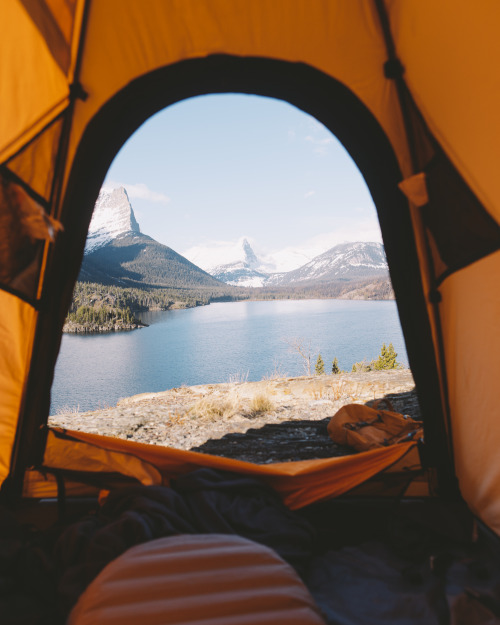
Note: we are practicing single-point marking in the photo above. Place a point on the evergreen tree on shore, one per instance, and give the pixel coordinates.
(320, 366)
(387, 358)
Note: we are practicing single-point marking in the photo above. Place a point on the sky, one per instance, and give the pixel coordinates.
(208, 171)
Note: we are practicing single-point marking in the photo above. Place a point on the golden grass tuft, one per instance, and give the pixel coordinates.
(261, 403)
(209, 408)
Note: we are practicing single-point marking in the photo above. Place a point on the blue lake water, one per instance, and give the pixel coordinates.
(218, 343)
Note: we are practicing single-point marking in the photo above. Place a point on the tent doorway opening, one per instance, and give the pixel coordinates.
(249, 205)
(310, 90)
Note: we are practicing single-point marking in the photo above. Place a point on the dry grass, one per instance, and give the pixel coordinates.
(238, 378)
(277, 373)
(261, 403)
(213, 409)
(68, 410)
(176, 417)
(338, 390)
(318, 391)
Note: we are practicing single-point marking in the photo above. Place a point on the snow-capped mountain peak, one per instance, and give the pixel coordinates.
(245, 268)
(346, 261)
(113, 216)
(250, 257)
(221, 253)
(237, 264)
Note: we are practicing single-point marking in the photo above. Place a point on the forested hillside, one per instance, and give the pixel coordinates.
(375, 289)
(99, 308)
(136, 260)
(143, 299)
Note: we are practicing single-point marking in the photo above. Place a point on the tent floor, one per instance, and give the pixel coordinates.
(371, 561)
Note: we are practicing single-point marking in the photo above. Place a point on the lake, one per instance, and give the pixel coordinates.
(219, 343)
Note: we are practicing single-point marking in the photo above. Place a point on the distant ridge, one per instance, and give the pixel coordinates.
(357, 261)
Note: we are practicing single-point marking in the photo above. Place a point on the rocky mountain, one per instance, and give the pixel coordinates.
(350, 262)
(117, 253)
(245, 270)
(346, 262)
(113, 216)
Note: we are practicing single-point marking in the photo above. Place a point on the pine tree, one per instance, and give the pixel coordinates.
(387, 358)
(335, 366)
(390, 358)
(320, 366)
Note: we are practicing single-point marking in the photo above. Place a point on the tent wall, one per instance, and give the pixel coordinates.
(342, 39)
(37, 88)
(471, 314)
(449, 51)
(17, 324)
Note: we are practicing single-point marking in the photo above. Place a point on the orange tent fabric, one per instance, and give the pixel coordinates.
(299, 483)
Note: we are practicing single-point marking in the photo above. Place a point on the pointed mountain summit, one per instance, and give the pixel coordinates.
(244, 270)
(250, 257)
(113, 216)
(117, 253)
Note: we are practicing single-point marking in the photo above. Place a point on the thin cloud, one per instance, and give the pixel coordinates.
(139, 191)
(367, 231)
(319, 144)
(210, 254)
(294, 256)
(309, 194)
(316, 141)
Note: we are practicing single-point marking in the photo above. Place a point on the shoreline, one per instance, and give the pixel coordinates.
(77, 328)
(243, 420)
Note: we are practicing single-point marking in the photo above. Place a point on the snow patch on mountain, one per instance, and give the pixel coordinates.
(220, 253)
(345, 261)
(245, 270)
(234, 263)
(113, 216)
(216, 254)
(241, 266)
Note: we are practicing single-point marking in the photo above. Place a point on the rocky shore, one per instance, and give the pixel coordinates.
(268, 421)
(71, 327)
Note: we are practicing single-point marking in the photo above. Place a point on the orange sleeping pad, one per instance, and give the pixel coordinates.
(197, 580)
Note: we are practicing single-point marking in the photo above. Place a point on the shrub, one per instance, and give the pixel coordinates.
(362, 367)
(261, 403)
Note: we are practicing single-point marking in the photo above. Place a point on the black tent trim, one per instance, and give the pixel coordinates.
(305, 87)
(8, 174)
